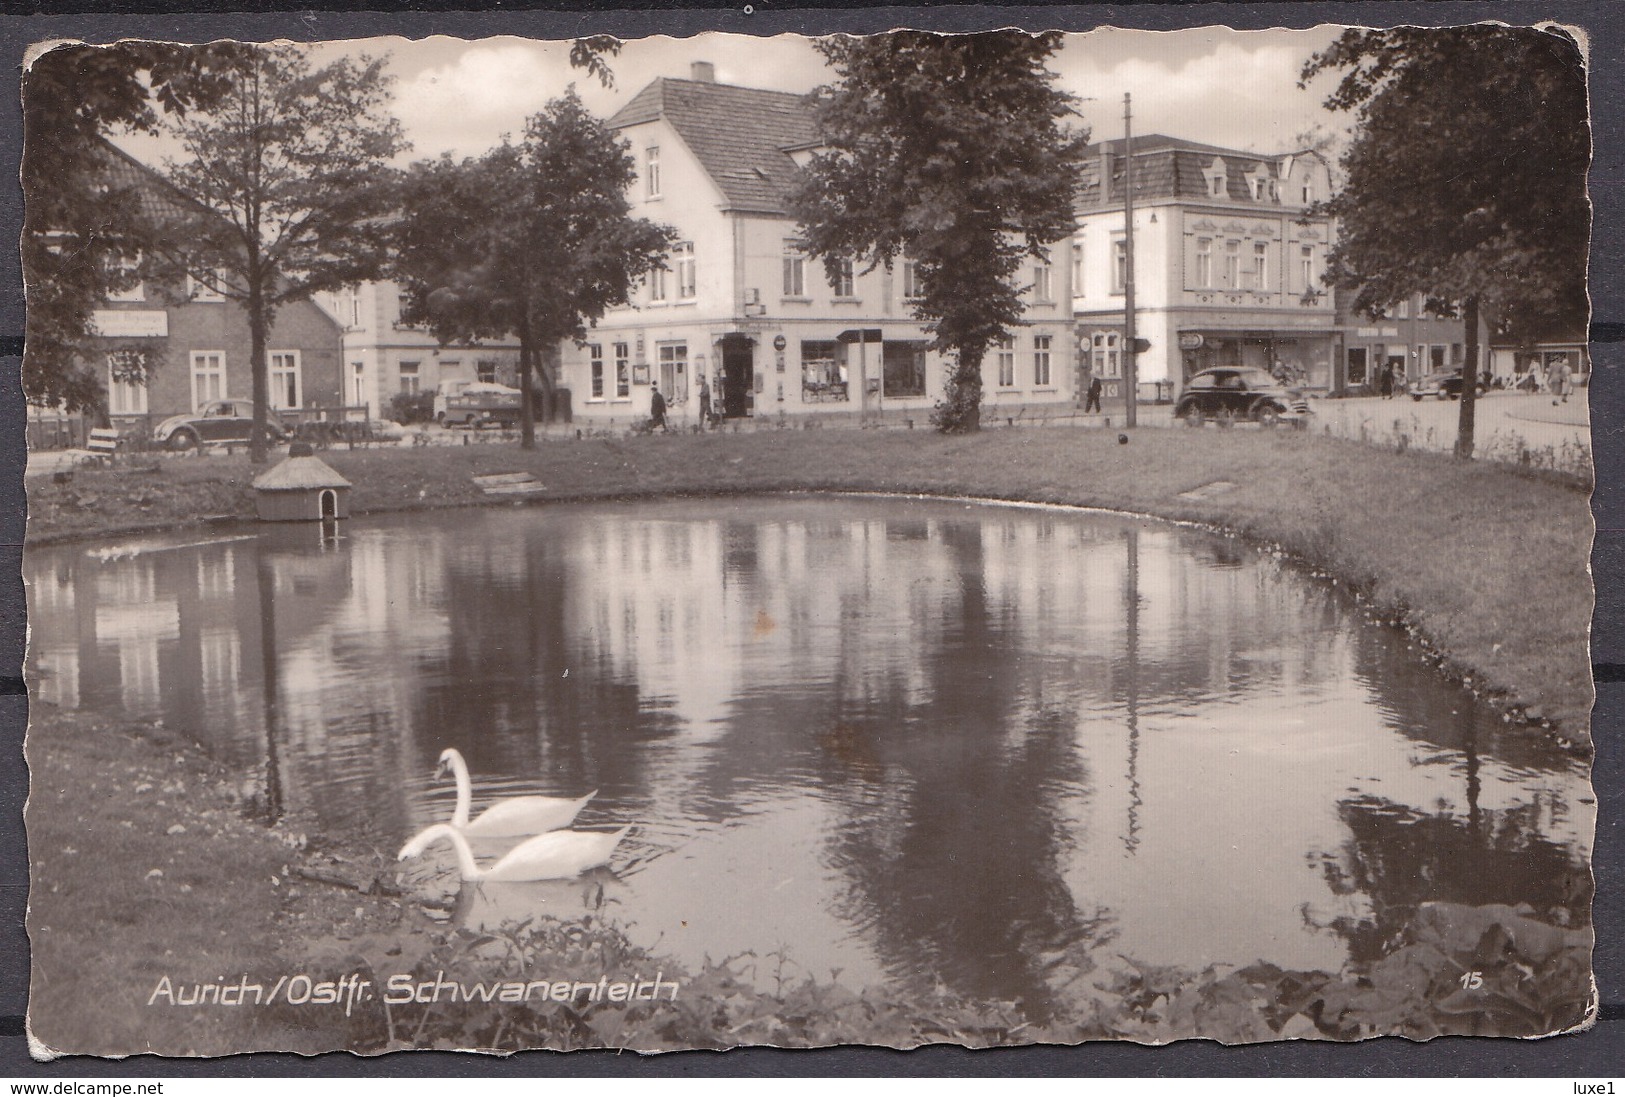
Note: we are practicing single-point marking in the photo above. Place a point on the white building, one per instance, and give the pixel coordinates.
(383, 356)
(1228, 268)
(744, 307)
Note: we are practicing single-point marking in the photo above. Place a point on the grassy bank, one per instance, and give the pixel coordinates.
(1486, 564)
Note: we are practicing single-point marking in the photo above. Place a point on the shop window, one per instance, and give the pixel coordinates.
(904, 366)
(673, 371)
(823, 373)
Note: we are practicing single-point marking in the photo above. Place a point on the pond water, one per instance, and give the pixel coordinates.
(898, 739)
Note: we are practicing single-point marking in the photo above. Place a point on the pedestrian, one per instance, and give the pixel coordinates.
(1092, 403)
(657, 410)
(1386, 381)
(1565, 380)
(705, 402)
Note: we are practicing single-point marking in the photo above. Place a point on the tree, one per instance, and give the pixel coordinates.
(288, 191)
(954, 151)
(1465, 178)
(533, 240)
(81, 236)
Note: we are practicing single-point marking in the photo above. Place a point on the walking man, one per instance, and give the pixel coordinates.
(657, 410)
(1092, 403)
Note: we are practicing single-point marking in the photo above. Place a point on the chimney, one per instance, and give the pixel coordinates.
(703, 71)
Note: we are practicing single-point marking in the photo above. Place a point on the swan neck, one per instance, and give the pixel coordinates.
(465, 856)
(465, 791)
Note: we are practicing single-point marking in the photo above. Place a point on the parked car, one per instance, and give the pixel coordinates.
(1443, 383)
(1236, 393)
(216, 421)
(478, 404)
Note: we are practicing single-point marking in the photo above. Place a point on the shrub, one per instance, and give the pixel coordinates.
(407, 408)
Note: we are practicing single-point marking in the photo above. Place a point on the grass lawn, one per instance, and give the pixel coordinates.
(1487, 564)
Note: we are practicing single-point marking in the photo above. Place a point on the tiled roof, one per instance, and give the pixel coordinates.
(738, 134)
(157, 197)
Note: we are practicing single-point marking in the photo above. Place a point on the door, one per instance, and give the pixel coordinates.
(738, 377)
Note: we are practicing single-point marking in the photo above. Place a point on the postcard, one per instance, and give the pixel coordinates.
(997, 539)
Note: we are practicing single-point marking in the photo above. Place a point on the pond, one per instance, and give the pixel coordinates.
(895, 739)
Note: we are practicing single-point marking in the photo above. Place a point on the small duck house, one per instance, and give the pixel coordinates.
(302, 488)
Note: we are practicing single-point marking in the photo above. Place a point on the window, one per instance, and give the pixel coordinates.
(823, 376)
(1436, 356)
(125, 395)
(623, 371)
(410, 377)
(651, 171)
(1043, 283)
(1455, 354)
(912, 289)
(1261, 264)
(657, 287)
(403, 308)
(673, 371)
(1119, 265)
(1006, 357)
(595, 359)
(206, 288)
(1308, 192)
(1216, 180)
(1232, 263)
(358, 384)
(485, 370)
(1105, 348)
(685, 271)
(208, 377)
(1041, 361)
(841, 278)
(1077, 270)
(904, 369)
(1306, 262)
(795, 270)
(283, 369)
(355, 307)
(122, 268)
(1204, 261)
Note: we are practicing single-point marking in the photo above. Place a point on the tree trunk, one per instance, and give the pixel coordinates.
(961, 409)
(1470, 373)
(547, 366)
(527, 413)
(257, 323)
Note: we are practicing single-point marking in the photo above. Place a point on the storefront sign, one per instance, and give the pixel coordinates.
(131, 323)
(779, 342)
(1190, 340)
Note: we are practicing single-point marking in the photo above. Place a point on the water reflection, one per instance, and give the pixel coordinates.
(904, 740)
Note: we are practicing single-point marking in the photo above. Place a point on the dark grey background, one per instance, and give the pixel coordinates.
(1591, 1054)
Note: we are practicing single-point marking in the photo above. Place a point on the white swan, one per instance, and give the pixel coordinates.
(554, 856)
(515, 817)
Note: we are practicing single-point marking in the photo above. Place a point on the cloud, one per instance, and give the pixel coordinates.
(464, 105)
(1214, 85)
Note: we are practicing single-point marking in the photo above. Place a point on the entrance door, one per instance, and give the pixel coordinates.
(738, 377)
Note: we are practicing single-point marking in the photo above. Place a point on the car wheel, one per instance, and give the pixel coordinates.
(1192, 415)
(1267, 415)
(183, 439)
(1417, 396)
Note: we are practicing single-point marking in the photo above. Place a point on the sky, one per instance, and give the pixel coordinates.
(1218, 86)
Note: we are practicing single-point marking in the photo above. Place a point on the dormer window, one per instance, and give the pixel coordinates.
(1308, 192)
(1216, 179)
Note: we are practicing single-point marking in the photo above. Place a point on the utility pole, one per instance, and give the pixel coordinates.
(1131, 362)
